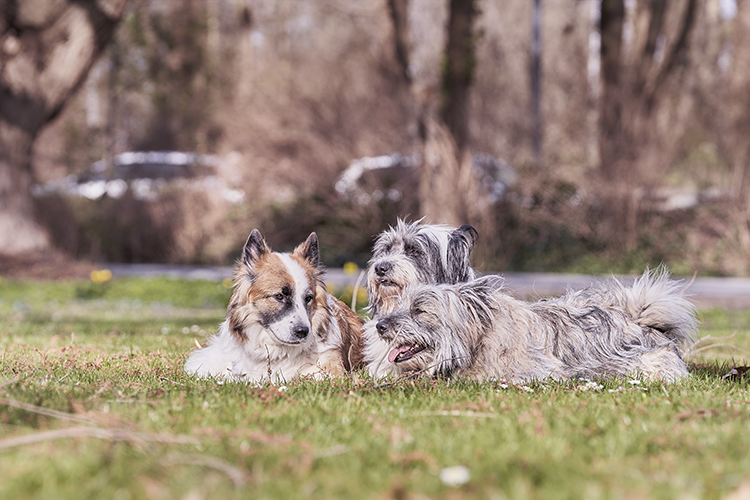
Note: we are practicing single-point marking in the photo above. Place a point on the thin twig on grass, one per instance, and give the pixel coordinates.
(721, 344)
(718, 344)
(98, 433)
(171, 381)
(416, 374)
(236, 475)
(709, 337)
(690, 283)
(356, 291)
(10, 382)
(47, 412)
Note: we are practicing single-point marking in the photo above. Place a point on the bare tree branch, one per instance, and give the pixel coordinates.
(398, 10)
(678, 49)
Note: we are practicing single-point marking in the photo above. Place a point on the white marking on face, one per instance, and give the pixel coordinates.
(302, 289)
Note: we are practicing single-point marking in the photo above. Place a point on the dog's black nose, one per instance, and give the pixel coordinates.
(382, 268)
(382, 328)
(300, 331)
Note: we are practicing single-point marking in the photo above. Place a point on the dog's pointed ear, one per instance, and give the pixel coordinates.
(460, 244)
(310, 250)
(255, 247)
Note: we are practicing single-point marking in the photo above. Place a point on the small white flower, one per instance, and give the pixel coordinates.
(590, 386)
(635, 382)
(527, 388)
(282, 388)
(455, 476)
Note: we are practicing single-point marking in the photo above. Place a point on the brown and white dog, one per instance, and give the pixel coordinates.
(281, 322)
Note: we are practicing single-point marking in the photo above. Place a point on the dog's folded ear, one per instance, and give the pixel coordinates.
(255, 246)
(484, 287)
(460, 244)
(479, 297)
(309, 250)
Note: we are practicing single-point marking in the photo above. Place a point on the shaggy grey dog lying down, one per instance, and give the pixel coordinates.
(478, 331)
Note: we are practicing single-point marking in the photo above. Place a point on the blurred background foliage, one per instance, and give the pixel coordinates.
(284, 95)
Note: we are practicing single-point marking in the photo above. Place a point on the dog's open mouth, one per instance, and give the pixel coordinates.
(388, 283)
(404, 352)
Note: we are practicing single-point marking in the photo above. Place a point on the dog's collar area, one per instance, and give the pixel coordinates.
(404, 352)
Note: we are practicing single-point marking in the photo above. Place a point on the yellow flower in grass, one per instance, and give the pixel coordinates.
(100, 276)
(350, 268)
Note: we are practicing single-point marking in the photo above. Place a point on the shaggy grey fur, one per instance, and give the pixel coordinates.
(403, 255)
(476, 330)
(417, 253)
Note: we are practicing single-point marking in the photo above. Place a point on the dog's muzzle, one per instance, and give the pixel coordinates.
(383, 327)
(382, 268)
(383, 272)
(300, 331)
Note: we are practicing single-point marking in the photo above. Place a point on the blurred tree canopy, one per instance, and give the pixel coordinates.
(643, 127)
(46, 50)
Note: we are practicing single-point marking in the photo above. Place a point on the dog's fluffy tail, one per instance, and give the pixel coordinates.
(658, 302)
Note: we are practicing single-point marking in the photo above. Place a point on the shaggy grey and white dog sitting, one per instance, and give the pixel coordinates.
(477, 331)
(407, 254)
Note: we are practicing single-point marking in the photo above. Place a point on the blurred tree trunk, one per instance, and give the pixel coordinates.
(458, 71)
(610, 117)
(447, 186)
(632, 89)
(398, 10)
(631, 93)
(46, 50)
(399, 14)
(651, 91)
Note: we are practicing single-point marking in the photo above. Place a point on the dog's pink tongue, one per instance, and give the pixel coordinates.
(395, 352)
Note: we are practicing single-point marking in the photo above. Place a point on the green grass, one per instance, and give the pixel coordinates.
(108, 358)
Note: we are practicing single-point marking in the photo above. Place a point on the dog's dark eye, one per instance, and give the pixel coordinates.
(308, 299)
(279, 297)
(411, 251)
(417, 311)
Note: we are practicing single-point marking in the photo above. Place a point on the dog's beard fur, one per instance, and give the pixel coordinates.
(281, 322)
(411, 253)
(476, 330)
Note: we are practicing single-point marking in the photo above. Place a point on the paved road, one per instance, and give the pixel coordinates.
(733, 293)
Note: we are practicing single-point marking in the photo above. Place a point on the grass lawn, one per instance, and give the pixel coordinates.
(94, 404)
